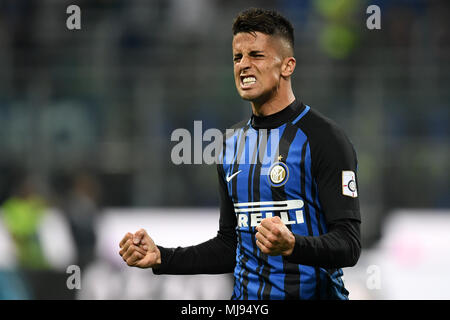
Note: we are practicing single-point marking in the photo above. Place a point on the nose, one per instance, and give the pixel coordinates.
(244, 64)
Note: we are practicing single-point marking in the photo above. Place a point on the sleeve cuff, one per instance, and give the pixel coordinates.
(165, 256)
(295, 256)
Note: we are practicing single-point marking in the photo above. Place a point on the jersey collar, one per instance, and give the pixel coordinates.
(275, 120)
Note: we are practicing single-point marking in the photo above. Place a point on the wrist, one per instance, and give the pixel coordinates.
(158, 257)
(291, 245)
(157, 263)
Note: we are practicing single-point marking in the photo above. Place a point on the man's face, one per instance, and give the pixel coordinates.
(257, 65)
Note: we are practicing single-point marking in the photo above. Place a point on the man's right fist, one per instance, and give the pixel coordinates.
(139, 250)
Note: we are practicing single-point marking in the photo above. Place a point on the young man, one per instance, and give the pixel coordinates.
(289, 220)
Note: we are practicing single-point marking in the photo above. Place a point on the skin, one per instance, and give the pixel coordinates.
(274, 238)
(139, 250)
(269, 59)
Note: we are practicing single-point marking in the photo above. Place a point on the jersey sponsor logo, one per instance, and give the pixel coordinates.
(228, 178)
(349, 184)
(250, 214)
(278, 174)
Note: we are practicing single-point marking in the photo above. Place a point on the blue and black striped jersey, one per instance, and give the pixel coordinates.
(295, 164)
(272, 168)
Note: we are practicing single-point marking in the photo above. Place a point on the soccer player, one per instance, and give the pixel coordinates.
(289, 220)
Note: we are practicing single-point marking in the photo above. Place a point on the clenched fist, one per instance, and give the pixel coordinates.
(274, 238)
(139, 250)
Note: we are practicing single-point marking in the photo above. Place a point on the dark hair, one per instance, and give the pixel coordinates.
(268, 22)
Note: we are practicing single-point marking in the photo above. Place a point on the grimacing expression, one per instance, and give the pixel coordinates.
(257, 65)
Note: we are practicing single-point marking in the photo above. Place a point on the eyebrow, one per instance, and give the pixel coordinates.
(253, 52)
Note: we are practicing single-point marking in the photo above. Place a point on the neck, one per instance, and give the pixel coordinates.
(272, 105)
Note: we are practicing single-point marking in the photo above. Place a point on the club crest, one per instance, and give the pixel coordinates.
(278, 174)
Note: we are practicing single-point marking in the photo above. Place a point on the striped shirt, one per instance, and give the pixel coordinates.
(300, 166)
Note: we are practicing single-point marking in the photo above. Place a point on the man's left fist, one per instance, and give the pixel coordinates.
(274, 238)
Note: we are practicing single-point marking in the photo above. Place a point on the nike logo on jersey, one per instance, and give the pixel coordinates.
(228, 178)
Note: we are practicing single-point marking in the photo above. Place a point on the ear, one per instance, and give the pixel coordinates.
(288, 66)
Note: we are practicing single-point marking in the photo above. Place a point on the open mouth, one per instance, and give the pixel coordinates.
(247, 81)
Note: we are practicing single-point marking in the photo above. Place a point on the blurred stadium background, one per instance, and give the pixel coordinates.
(86, 117)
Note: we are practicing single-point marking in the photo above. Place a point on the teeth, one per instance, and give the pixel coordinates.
(249, 80)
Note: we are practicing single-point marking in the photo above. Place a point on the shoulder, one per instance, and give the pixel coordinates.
(228, 141)
(229, 132)
(319, 127)
(240, 124)
(326, 138)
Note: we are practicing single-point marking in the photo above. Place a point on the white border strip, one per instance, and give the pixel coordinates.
(287, 205)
